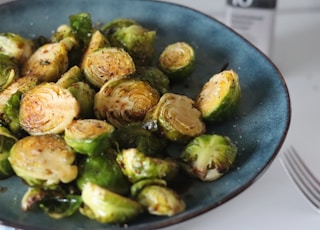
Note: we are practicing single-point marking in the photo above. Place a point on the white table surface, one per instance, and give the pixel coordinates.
(273, 202)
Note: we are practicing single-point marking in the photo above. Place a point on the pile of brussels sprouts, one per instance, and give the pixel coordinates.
(87, 116)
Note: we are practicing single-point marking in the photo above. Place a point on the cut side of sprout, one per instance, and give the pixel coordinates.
(47, 108)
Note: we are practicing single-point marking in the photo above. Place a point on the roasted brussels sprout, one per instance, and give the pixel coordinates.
(13, 45)
(176, 118)
(103, 170)
(177, 60)
(48, 62)
(62, 32)
(209, 156)
(81, 26)
(124, 101)
(85, 97)
(43, 161)
(11, 113)
(7, 140)
(105, 206)
(107, 63)
(161, 200)
(88, 136)
(9, 71)
(137, 41)
(219, 97)
(136, 166)
(55, 203)
(43, 109)
(112, 26)
(135, 136)
(141, 184)
(22, 84)
(154, 76)
(73, 75)
(97, 41)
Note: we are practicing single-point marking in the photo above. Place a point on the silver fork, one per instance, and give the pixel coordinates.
(302, 176)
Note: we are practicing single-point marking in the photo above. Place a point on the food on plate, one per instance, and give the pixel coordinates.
(220, 96)
(176, 118)
(177, 60)
(208, 156)
(90, 122)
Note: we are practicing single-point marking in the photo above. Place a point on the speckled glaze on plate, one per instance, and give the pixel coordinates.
(258, 128)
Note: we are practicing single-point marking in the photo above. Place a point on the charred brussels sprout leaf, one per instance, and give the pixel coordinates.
(88, 136)
(124, 101)
(9, 71)
(107, 63)
(85, 97)
(103, 170)
(176, 118)
(11, 113)
(135, 136)
(154, 76)
(7, 140)
(219, 97)
(43, 109)
(177, 60)
(55, 203)
(136, 166)
(160, 200)
(81, 26)
(110, 27)
(137, 41)
(15, 46)
(43, 161)
(105, 206)
(208, 157)
(73, 75)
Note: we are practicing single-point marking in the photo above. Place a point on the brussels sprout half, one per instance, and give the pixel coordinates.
(43, 161)
(88, 136)
(175, 117)
(136, 166)
(208, 156)
(105, 206)
(15, 46)
(177, 60)
(105, 64)
(219, 97)
(43, 109)
(161, 201)
(137, 41)
(124, 101)
(48, 62)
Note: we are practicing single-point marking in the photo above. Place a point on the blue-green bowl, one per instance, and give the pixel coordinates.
(258, 128)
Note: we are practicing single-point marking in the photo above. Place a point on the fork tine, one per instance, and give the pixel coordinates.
(302, 176)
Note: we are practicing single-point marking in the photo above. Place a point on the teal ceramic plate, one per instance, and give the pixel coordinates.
(258, 128)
